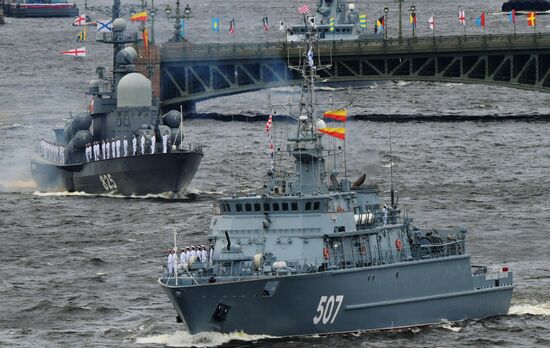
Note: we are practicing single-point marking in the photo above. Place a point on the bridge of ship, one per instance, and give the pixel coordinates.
(191, 73)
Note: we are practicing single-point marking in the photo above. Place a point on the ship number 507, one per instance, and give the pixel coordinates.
(328, 308)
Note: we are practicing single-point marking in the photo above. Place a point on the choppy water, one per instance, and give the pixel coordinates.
(80, 270)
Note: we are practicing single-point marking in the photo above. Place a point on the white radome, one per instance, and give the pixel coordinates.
(318, 125)
(134, 91)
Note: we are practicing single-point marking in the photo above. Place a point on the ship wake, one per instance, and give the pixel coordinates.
(204, 339)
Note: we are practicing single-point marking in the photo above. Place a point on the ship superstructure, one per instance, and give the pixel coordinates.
(315, 253)
(40, 8)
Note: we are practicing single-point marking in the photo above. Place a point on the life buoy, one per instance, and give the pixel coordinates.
(325, 253)
(398, 244)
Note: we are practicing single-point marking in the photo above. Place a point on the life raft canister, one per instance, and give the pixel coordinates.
(399, 244)
(325, 253)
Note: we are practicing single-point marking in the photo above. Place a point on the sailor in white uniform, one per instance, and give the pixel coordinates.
(204, 254)
(134, 145)
(142, 143)
(170, 263)
(113, 147)
(107, 149)
(103, 149)
(117, 143)
(153, 143)
(165, 143)
(125, 145)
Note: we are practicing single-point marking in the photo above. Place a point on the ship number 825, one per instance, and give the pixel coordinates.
(108, 182)
(328, 309)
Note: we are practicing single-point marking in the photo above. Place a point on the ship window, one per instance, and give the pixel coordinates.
(248, 207)
(275, 206)
(294, 205)
(266, 206)
(126, 120)
(285, 206)
(316, 205)
(118, 121)
(239, 207)
(308, 205)
(257, 207)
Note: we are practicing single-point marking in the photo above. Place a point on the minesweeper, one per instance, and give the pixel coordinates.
(123, 115)
(317, 254)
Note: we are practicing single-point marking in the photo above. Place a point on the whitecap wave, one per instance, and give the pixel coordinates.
(165, 195)
(447, 325)
(204, 339)
(533, 309)
(14, 126)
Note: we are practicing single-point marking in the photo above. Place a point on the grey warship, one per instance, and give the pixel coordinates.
(314, 253)
(123, 109)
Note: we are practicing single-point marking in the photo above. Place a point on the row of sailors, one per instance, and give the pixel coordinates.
(52, 152)
(106, 149)
(197, 253)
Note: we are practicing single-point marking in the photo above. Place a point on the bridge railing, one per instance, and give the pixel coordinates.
(177, 52)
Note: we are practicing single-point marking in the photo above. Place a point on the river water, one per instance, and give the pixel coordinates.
(80, 270)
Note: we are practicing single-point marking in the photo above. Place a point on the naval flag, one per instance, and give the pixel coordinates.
(77, 52)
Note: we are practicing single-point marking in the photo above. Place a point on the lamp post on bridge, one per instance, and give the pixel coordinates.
(386, 10)
(180, 20)
(400, 34)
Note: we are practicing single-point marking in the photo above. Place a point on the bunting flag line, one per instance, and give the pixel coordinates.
(363, 21)
(512, 16)
(216, 25)
(266, 24)
(337, 115)
(431, 23)
(77, 52)
(480, 21)
(461, 17)
(232, 26)
(304, 9)
(139, 17)
(146, 39)
(532, 19)
(81, 36)
(104, 27)
(331, 24)
(339, 133)
(80, 20)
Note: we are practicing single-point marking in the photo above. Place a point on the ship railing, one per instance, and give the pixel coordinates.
(238, 270)
(190, 146)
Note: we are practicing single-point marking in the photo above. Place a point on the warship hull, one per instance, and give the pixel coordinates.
(40, 10)
(369, 298)
(134, 175)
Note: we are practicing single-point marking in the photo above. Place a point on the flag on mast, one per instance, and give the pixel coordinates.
(146, 38)
(512, 16)
(77, 52)
(379, 25)
(81, 36)
(232, 26)
(337, 115)
(139, 17)
(266, 24)
(532, 19)
(412, 19)
(339, 133)
(431, 23)
(461, 17)
(480, 21)
(281, 26)
(80, 20)
(303, 9)
(216, 25)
